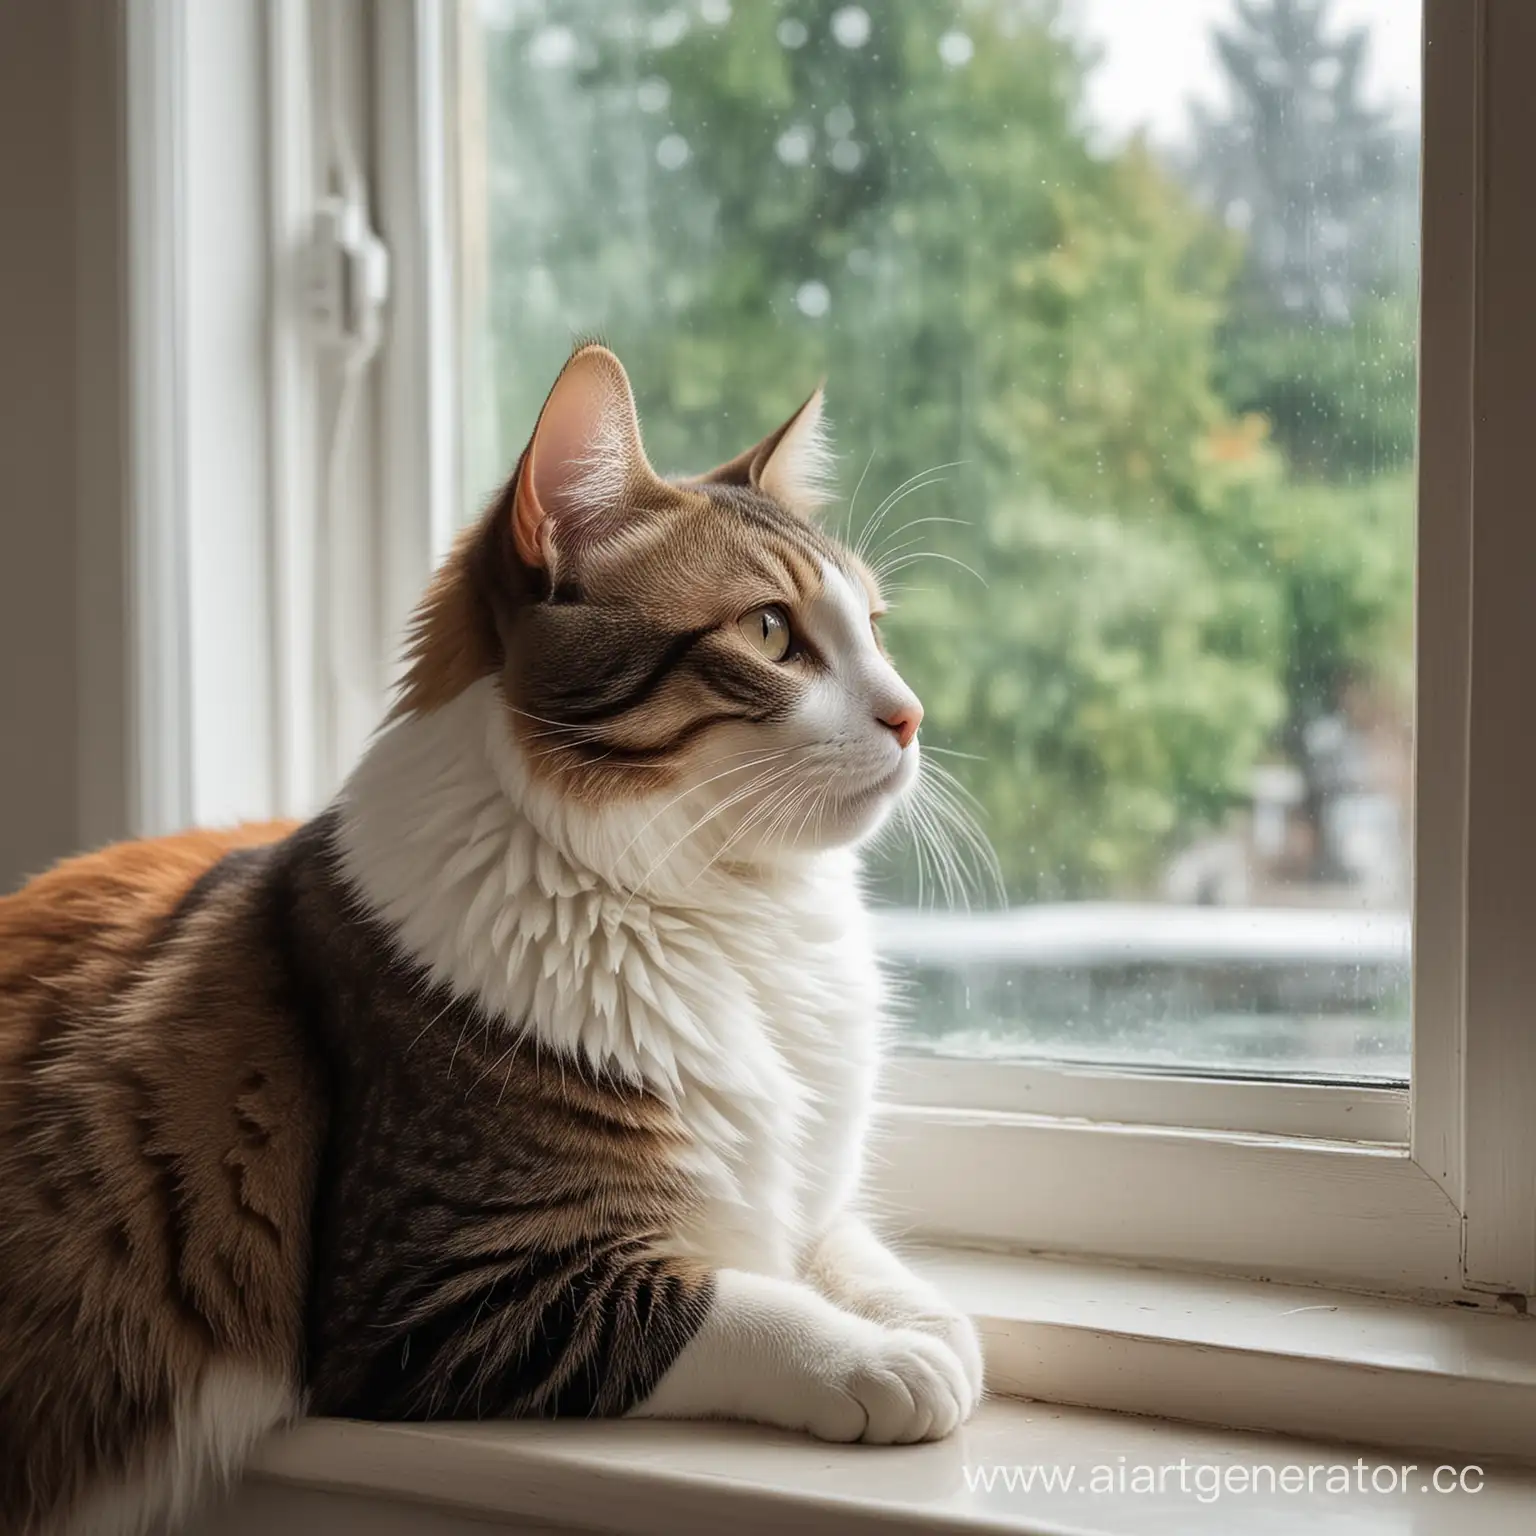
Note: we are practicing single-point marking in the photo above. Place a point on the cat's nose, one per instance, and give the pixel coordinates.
(904, 721)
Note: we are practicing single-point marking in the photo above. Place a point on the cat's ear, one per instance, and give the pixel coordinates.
(794, 464)
(584, 465)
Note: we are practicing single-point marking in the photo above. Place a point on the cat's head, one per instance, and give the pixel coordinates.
(699, 651)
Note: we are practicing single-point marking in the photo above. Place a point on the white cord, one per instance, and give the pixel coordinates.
(351, 183)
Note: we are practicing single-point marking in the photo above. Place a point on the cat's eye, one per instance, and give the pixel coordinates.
(768, 631)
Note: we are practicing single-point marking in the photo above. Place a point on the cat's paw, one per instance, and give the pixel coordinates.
(893, 1387)
(959, 1332)
(927, 1312)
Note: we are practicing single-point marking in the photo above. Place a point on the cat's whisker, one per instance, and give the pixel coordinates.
(944, 792)
(694, 789)
(821, 809)
(853, 501)
(921, 474)
(899, 531)
(932, 844)
(765, 819)
(890, 554)
(559, 725)
(428, 1025)
(970, 757)
(909, 488)
(951, 780)
(813, 800)
(606, 759)
(710, 815)
(752, 818)
(929, 554)
(903, 555)
(919, 843)
(893, 498)
(937, 851)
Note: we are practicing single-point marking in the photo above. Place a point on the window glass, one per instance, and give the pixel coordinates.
(1116, 302)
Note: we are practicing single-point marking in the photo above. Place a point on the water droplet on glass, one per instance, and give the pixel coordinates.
(652, 95)
(956, 49)
(500, 15)
(552, 48)
(813, 299)
(850, 26)
(794, 145)
(847, 155)
(672, 153)
(668, 29)
(792, 33)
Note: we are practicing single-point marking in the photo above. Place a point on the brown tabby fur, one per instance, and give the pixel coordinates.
(248, 1062)
(158, 1134)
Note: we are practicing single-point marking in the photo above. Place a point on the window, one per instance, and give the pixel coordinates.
(1238, 1089)
(1126, 389)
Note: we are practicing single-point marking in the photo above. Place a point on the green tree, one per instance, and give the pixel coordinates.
(1323, 185)
(1320, 340)
(1018, 335)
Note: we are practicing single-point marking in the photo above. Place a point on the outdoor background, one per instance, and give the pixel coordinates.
(1118, 321)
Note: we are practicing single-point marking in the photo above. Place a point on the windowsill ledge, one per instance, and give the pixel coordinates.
(638, 1478)
(1244, 1354)
(1327, 1366)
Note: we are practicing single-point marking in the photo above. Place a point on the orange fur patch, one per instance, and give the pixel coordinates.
(105, 903)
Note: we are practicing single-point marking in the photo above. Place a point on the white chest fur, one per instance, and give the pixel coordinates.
(753, 1008)
(801, 1030)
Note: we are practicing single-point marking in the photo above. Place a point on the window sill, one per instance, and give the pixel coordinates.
(1247, 1354)
(635, 1478)
(1329, 1366)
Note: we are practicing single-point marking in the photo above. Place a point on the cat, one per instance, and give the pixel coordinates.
(529, 1078)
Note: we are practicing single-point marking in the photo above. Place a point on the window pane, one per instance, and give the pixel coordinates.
(1117, 307)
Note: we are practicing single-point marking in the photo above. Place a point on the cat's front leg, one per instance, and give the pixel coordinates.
(554, 1333)
(776, 1352)
(853, 1269)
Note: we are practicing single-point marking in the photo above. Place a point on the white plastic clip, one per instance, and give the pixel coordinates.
(349, 279)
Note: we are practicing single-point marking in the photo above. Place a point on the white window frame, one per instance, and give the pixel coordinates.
(1426, 1191)
(228, 401)
(194, 231)
(270, 565)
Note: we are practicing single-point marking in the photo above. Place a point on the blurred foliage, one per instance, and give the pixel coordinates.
(1322, 182)
(1341, 398)
(1321, 329)
(1344, 553)
(1108, 589)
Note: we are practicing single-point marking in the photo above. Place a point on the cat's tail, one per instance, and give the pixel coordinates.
(140, 1474)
